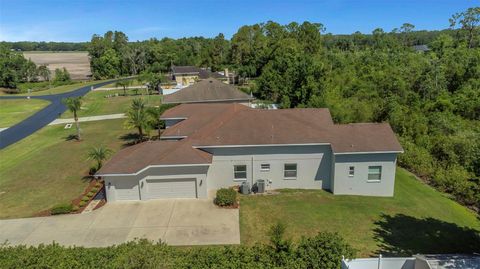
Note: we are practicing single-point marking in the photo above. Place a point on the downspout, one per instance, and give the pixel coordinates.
(252, 171)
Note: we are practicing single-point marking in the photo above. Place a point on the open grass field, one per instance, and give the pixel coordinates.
(59, 89)
(76, 62)
(47, 168)
(96, 102)
(417, 219)
(14, 111)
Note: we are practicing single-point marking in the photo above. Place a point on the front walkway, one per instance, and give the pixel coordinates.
(91, 118)
(174, 221)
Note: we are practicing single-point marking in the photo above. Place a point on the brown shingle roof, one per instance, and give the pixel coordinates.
(134, 158)
(364, 137)
(210, 90)
(235, 124)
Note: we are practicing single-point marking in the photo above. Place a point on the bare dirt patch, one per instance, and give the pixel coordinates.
(77, 62)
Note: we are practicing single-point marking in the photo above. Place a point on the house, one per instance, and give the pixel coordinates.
(207, 146)
(188, 75)
(207, 91)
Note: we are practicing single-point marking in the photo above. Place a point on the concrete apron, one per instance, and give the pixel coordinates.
(174, 221)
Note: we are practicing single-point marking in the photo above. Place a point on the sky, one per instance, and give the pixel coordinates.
(76, 20)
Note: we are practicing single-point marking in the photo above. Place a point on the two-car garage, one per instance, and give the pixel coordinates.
(147, 189)
(159, 183)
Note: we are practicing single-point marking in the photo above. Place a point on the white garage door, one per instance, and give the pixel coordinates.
(126, 190)
(171, 188)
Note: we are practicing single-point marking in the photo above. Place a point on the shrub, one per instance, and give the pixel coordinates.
(91, 194)
(98, 185)
(75, 208)
(94, 189)
(226, 197)
(324, 250)
(82, 203)
(85, 198)
(62, 209)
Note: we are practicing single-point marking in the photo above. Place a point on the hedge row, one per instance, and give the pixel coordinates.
(322, 251)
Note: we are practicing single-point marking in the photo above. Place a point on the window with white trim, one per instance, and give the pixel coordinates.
(374, 173)
(290, 171)
(240, 172)
(265, 167)
(351, 171)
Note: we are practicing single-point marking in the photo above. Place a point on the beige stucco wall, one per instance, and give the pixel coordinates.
(313, 166)
(359, 184)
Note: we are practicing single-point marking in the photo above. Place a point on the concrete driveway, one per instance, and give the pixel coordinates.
(175, 221)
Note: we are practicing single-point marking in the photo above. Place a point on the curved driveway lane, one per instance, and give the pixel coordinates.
(42, 117)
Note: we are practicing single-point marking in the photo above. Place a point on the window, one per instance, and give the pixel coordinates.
(351, 171)
(240, 172)
(265, 167)
(290, 171)
(374, 173)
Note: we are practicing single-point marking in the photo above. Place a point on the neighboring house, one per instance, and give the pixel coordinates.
(430, 261)
(211, 146)
(188, 75)
(208, 91)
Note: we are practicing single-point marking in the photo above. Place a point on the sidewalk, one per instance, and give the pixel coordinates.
(92, 118)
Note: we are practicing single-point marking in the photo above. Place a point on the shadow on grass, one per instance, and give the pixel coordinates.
(130, 139)
(402, 235)
(71, 137)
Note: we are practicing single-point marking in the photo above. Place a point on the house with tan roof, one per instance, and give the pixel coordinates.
(207, 146)
(188, 75)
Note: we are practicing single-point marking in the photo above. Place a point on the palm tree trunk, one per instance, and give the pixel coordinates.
(77, 125)
(159, 132)
(124, 91)
(140, 133)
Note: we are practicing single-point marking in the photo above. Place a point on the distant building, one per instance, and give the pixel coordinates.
(421, 48)
(188, 75)
(208, 91)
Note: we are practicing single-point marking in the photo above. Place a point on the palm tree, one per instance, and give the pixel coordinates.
(74, 104)
(124, 84)
(154, 114)
(137, 116)
(99, 154)
(154, 121)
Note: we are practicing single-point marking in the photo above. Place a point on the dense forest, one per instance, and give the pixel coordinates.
(431, 98)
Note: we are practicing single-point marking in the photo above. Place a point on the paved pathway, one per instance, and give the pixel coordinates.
(119, 88)
(91, 118)
(41, 118)
(175, 221)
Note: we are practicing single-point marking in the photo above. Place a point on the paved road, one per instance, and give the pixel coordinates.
(175, 221)
(42, 117)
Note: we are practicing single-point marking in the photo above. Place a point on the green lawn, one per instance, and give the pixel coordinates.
(14, 111)
(62, 89)
(135, 82)
(47, 168)
(96, 102)
(417, 219)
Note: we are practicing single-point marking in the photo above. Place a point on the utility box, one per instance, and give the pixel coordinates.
(245, 188)
(260, 186)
